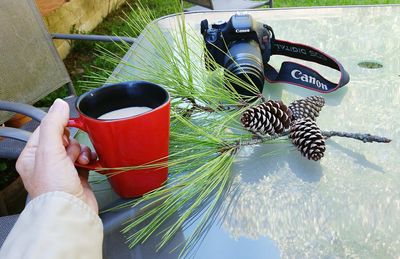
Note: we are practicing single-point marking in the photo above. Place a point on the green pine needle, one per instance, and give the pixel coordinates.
(205, 129)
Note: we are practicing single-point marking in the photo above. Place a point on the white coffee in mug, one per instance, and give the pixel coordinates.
(124, 113)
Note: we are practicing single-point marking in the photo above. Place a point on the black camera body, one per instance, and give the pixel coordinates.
(241, 46)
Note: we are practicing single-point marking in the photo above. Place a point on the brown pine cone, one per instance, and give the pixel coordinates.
(308, 139)
(307, 108)
(271, 117)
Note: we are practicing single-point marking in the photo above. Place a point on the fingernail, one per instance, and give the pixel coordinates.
(57, 106)
(85, 158)
(65, 141)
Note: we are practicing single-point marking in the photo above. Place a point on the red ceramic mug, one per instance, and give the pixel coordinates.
(131, 141)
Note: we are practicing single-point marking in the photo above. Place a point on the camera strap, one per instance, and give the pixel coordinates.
(300, 75)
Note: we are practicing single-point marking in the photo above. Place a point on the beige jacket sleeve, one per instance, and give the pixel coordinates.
(55, 225)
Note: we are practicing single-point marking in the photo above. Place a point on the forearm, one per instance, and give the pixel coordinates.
(55, 225)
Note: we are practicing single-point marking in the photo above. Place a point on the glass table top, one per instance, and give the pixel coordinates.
(346, 205)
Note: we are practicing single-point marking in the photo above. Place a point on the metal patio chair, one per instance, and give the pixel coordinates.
(30, 69)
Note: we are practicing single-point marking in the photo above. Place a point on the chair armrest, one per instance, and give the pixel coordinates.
(105, 38)
(25, 109)
(14, 133)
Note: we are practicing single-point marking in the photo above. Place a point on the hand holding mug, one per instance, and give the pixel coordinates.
(47, 162)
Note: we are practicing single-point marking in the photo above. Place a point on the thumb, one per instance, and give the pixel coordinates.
(53, 125)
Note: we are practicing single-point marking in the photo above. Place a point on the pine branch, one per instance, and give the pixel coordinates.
(203, 108)
(262, 97)
(258, 140)
(364, 137)
(255, 141)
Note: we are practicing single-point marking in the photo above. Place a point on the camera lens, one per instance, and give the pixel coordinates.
(245, 62)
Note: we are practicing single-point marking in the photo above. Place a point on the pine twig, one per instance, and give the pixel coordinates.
(199, 107)
(359, 136)
(262, 97)
(364, 137)
(251, 142)
(202, 108)
(259, 140)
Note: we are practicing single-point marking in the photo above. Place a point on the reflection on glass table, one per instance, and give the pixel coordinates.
(346, 205)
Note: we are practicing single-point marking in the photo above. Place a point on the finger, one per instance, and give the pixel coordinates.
(73, 150)
(66, 136)
(65, 141)
(93, 156)
(24, 164)
(67, 133)
(52, 127)
(33, 140)
(84, 156)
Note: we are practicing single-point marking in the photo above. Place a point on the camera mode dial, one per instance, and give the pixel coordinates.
(204, 26)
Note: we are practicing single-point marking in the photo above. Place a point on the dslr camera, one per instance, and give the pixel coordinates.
(240, 46)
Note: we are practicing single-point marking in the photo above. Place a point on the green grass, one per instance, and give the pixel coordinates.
(82, 60)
